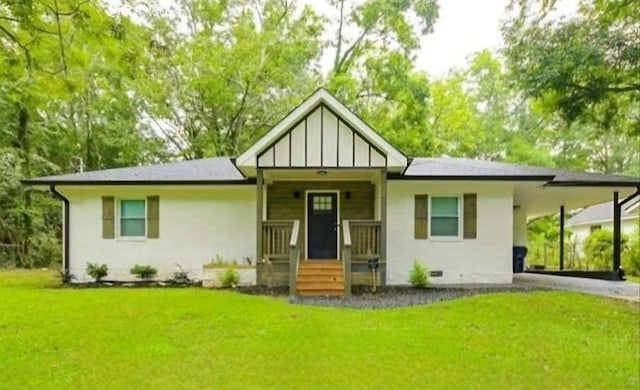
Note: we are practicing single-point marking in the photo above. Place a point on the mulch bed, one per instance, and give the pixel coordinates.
(131, 284)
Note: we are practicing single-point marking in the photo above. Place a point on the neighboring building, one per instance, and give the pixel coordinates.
(324, 188)
(600, 216)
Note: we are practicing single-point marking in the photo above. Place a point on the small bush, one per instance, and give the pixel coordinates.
(66, 276)
(419, 275)
(97, 271)
(229, 277)
(144, 272)
(181, 277)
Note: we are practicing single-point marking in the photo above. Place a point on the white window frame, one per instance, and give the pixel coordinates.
(119, 223)
(457, 237)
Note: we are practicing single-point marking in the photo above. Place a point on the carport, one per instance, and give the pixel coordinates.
(567, 191)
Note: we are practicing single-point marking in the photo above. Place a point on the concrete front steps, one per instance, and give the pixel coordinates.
(320, 278)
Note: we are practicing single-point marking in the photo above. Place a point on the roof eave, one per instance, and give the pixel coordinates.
(538, 178)
(599, 183)
(137, 182)
(600, 221)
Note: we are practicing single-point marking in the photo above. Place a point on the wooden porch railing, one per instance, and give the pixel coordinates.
(360, 241)
(281, 243)
(365, 238)
(276, 236)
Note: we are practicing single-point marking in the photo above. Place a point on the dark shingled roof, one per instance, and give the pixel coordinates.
(463, 167)
(208, 170)
(467, 169)
(602, 212)
(222, 170)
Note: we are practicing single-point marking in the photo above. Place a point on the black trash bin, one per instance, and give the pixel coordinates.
(519, 253)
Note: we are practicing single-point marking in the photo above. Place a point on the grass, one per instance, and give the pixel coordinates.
(196, 338)
(633, 279)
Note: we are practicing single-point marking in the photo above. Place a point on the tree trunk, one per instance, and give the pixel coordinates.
(25, 148)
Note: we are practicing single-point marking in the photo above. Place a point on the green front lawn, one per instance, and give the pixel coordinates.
(633, 279)
(197, 338)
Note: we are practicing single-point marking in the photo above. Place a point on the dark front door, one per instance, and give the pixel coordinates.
(322, 225)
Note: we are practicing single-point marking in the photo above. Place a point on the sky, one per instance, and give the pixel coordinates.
(465, 27)
(462, 28)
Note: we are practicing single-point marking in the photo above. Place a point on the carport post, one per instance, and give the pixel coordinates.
(561, 237)
(617, 216)
(617, 211)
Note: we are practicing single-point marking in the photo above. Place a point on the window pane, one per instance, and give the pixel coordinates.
(132, 227)
(444, 226)
(322, 203)
(132, 208)
(444, 206)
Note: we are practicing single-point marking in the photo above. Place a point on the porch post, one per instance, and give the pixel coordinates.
(383, 223)
(617, 211)
(561, 237)
(259, 189)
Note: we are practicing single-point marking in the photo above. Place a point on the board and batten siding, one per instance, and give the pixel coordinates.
(283, 205)
(195, 224)
(484, 259)
(321, 139)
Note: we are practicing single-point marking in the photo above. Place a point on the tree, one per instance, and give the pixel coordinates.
(63, 92)
(585, 70)
(474, 112)
(579, 63)
(235, 71)
(373, 70)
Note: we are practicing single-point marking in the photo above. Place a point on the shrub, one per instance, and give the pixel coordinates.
(144, 272)
(598, 248)
(229, 277)
(181, 277)
(66, 276)
(419, 275)
(631, 256)
(97, 271)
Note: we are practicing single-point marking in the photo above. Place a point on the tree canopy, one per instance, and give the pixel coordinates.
(89, 85)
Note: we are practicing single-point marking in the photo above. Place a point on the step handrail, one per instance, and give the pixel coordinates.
(294, 256)
(346, 255)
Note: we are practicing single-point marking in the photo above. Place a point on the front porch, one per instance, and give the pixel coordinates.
(318, 229)
(321, 176)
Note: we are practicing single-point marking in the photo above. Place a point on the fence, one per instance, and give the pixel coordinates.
(576, 256)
